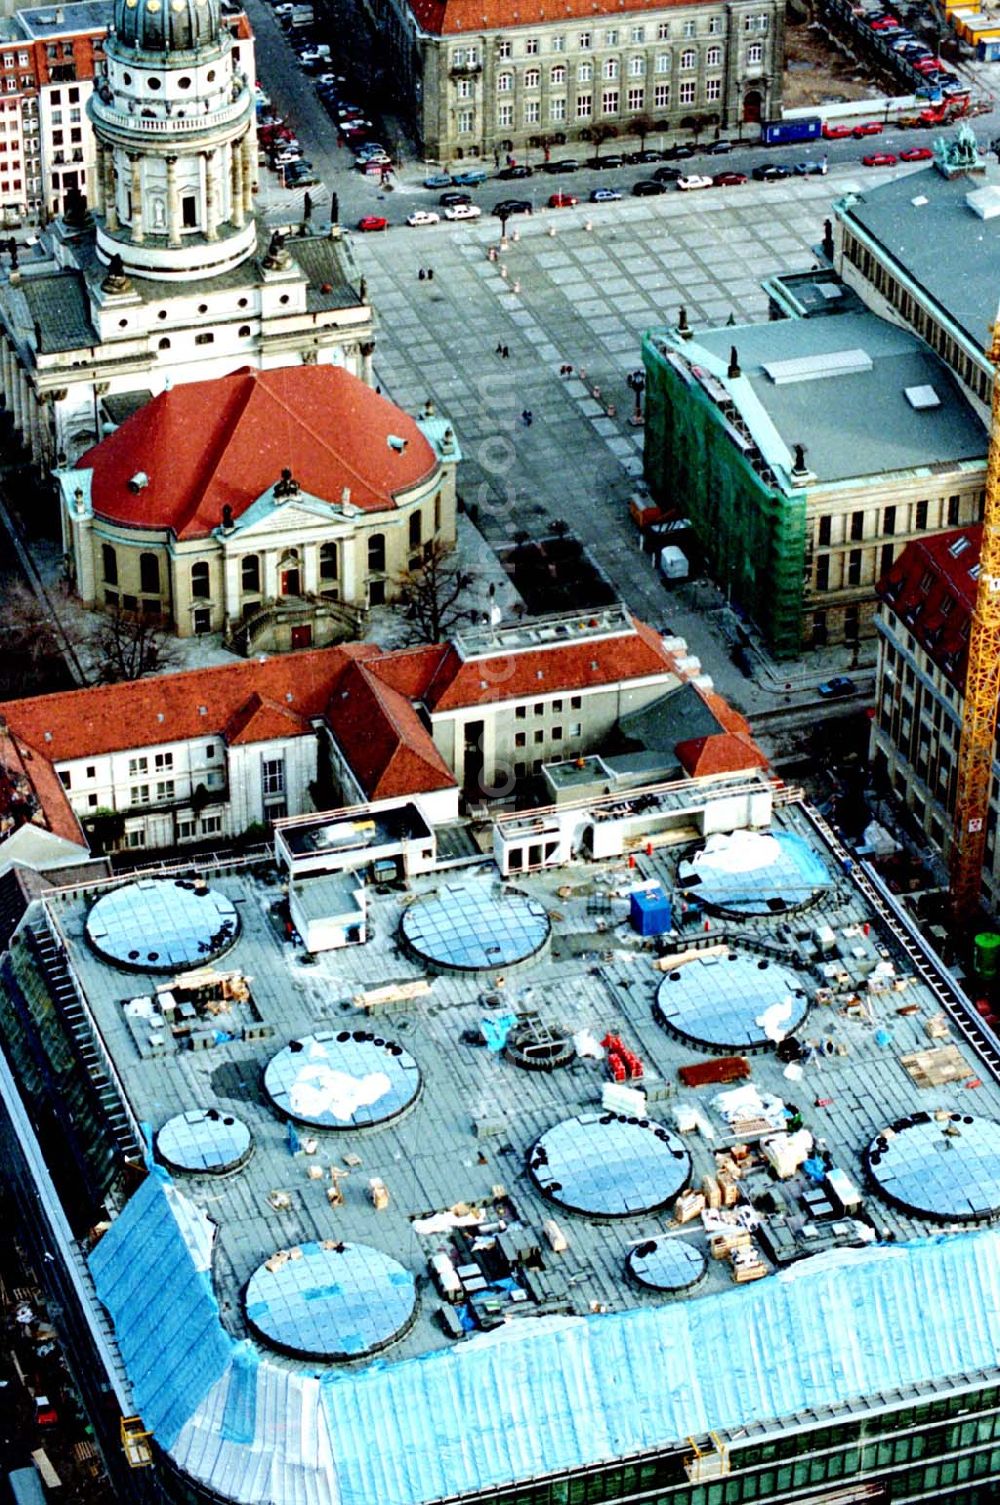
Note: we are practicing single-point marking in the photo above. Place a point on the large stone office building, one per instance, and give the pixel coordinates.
(480, 79)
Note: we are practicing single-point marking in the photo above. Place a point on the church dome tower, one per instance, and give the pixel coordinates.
(176, 147)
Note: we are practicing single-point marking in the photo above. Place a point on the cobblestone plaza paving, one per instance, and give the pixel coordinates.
(580, 297)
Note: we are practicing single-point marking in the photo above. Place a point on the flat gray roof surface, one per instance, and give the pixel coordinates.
(944, 246)
(64, 20)
(857, 423)
(478, 1114)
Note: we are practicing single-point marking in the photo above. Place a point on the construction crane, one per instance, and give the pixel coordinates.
(982, 687)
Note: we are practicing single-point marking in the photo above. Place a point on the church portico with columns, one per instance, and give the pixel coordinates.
(272, 507)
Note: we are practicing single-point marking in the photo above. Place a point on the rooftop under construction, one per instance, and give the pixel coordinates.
(533, 1174)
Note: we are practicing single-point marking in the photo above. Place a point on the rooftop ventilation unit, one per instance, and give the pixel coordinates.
(922, 398)
(818, 367)
(396, 443)
(984, 202)
(139, 481)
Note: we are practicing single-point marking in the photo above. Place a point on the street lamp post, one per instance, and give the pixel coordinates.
(636, 383)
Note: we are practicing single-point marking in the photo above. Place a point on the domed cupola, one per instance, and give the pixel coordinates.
(166, 26)
(173, 119)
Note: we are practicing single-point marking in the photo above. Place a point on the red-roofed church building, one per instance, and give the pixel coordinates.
(273, 506)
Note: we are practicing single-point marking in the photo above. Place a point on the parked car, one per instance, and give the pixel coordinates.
(601, 164)
(470, 177)
(648, 154)
(423, 217)
(286, 155)
(462, 211)
(373, 222)
(568, 164)
(770, 172)
(867, 128)
(562, 200)
(449, 200)
(506, 207)
(667, 174)
(837, 687)
(678, 153)
(373, 161)
(647, 187)
(811, 169)
(879, 159)
(604, 195)
(300, 176)
(720, 148)
(728, 179)
(916, 154)
(438, 180)
(694, 180)
(372, 149)
(835, 132)
(510, 174)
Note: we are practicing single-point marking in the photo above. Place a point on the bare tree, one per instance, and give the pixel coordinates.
(128, 645)
(598, 134)
(643, 126)
(433, 596)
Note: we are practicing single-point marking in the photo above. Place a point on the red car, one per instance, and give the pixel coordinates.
(835, 132)
(562, 200)
(916, 154)
(879, 159)
(729, 179)
(373, 222)
(867, 128)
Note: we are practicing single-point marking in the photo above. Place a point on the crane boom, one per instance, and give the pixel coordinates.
(982, 687)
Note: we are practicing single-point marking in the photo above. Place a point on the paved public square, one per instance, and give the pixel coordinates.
(565, 294)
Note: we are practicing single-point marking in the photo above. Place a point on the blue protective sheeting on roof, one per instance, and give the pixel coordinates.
(544, 1398)
(150, 1271)
(239, 1419)
(540, 1396)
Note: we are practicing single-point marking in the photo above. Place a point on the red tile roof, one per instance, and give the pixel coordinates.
(447, 17)
(728, 752)
(932, 588)
(368, 698)
(390, 751)
(259, 720)
(31, 793)
(548, 670)
(175, 707)
(206, 445)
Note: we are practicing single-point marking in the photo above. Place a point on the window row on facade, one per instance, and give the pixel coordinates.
(612, 68)
(636, 35)
(608, 102)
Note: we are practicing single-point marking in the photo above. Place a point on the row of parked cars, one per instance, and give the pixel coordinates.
(923, 66)
(280, 148)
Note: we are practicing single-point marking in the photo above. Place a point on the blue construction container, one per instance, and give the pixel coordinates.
(651, 911)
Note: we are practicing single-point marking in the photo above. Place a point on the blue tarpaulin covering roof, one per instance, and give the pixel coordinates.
(152, 1272)
(539, 1396)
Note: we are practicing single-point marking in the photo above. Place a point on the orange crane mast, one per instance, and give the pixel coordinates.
(982, 687)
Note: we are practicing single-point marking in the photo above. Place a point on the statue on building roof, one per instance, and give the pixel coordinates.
(75, 213)
(276, 257)
(117, 279)
(958, 153)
